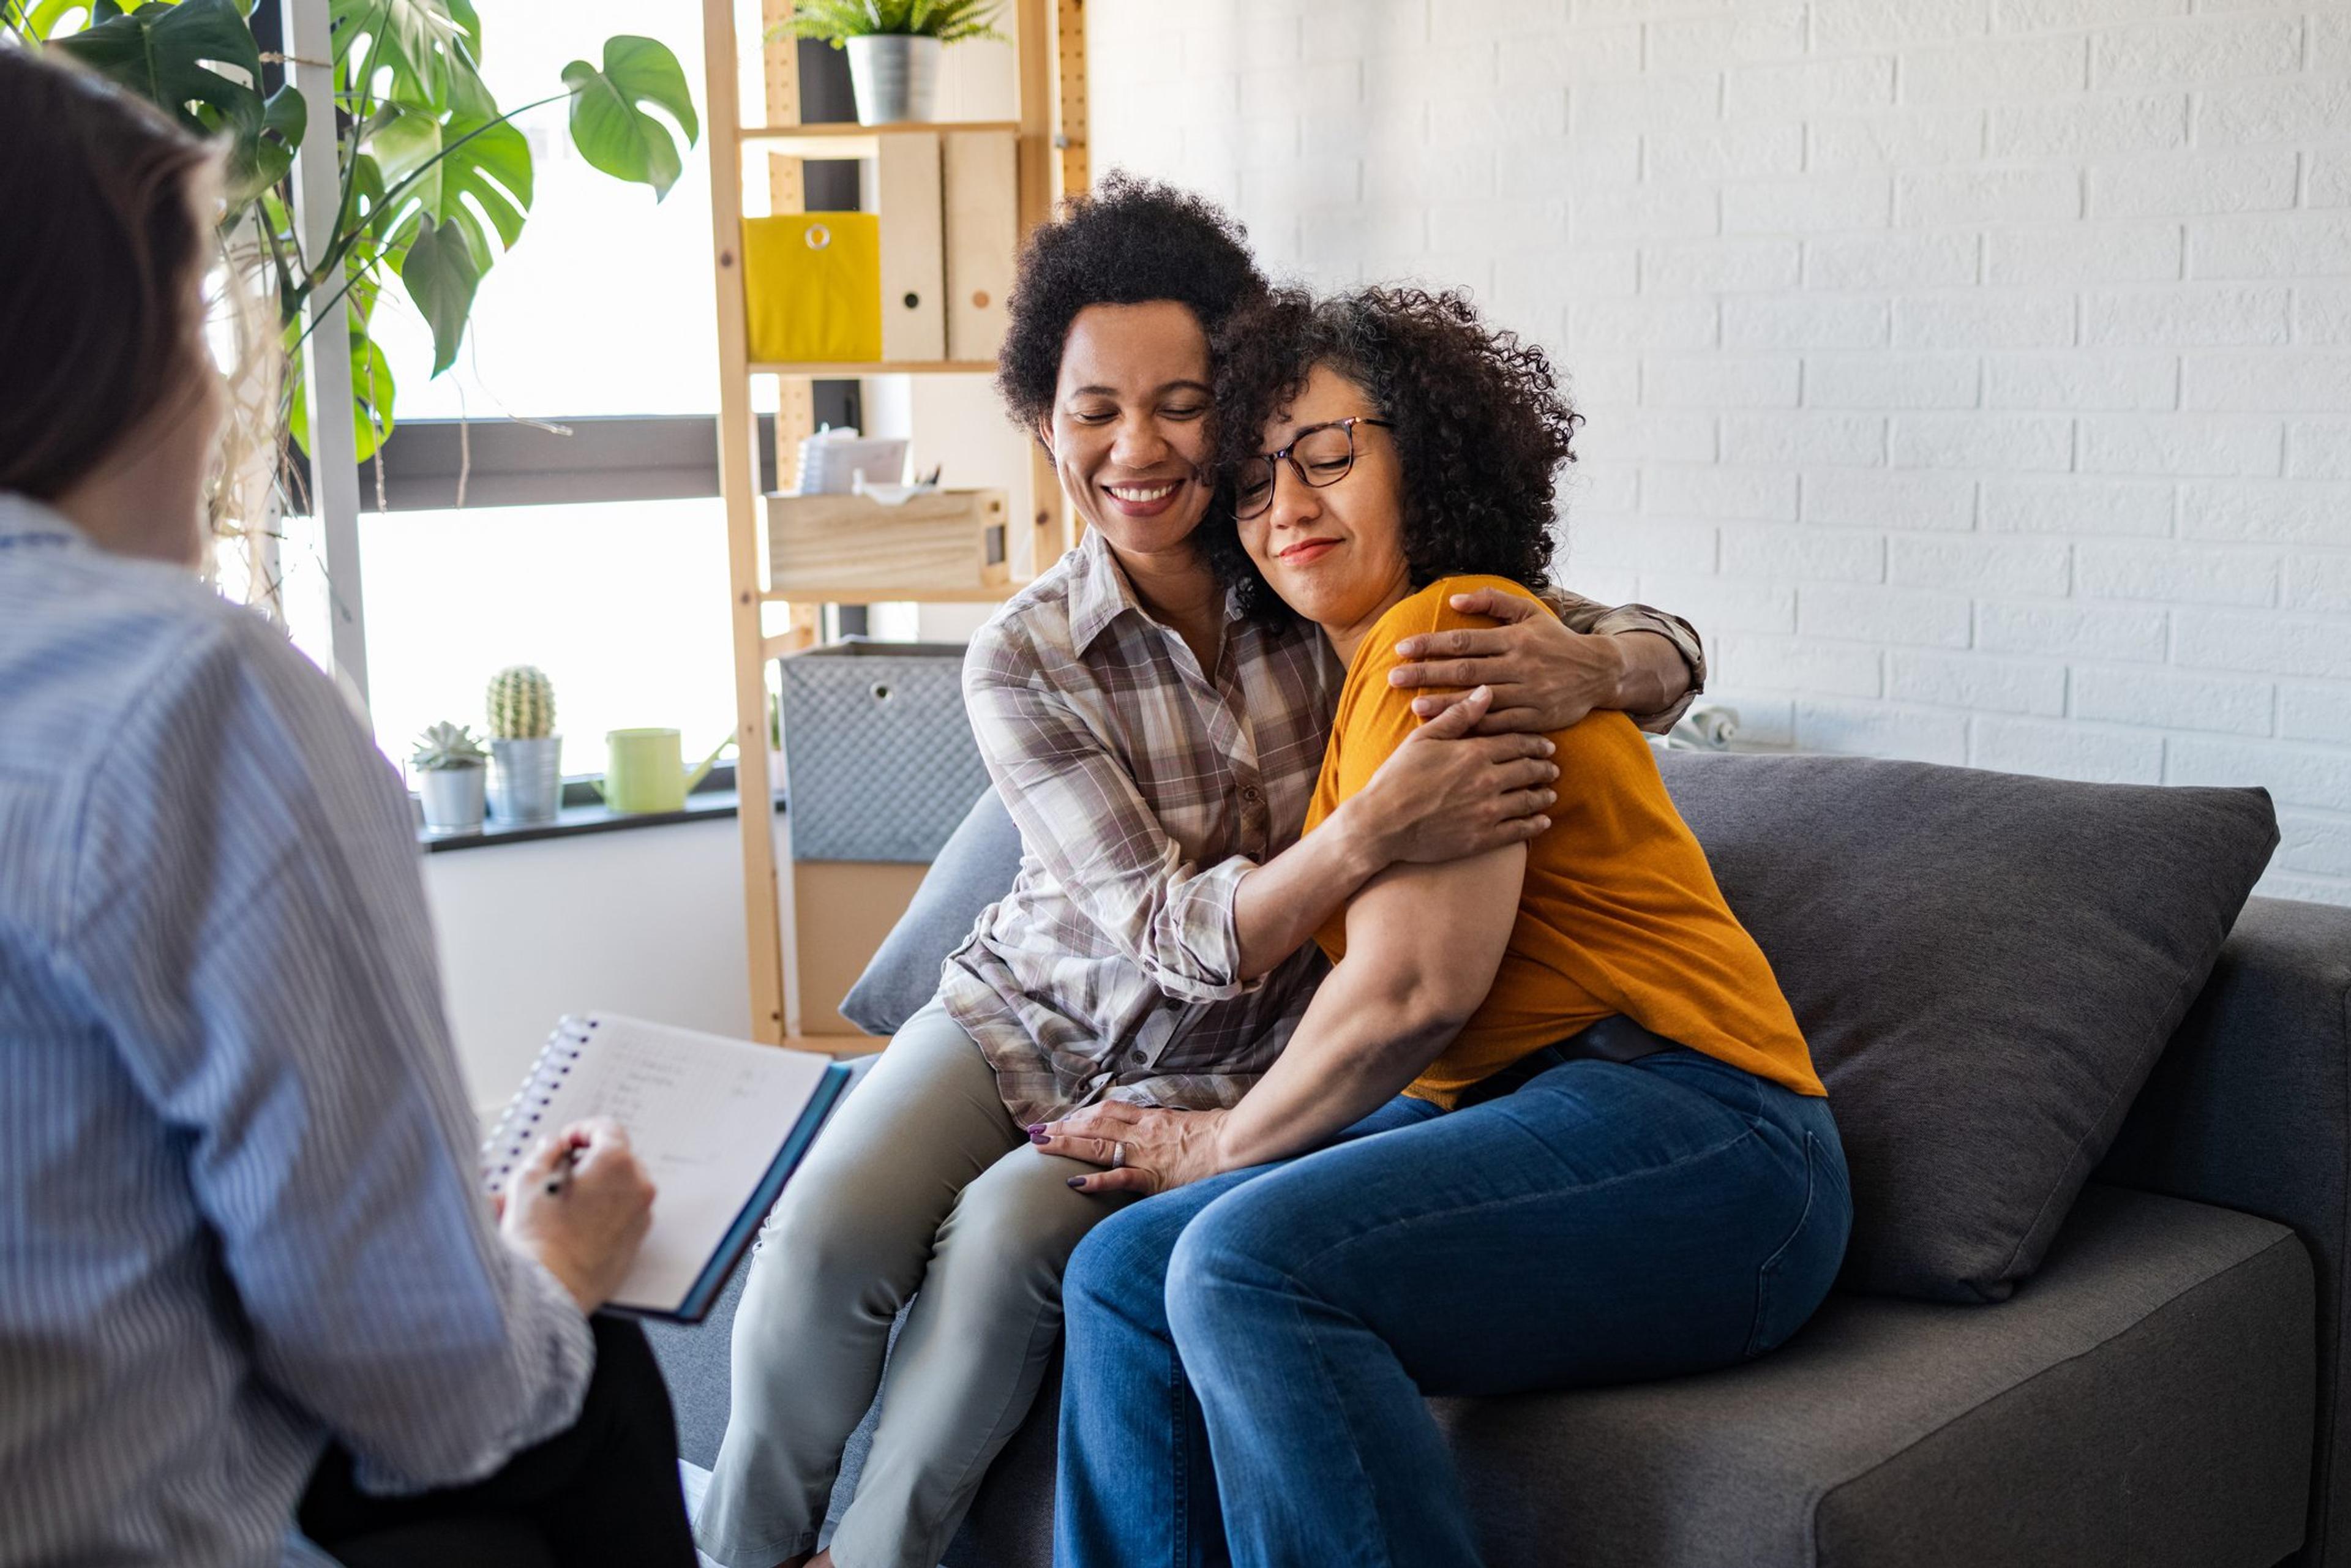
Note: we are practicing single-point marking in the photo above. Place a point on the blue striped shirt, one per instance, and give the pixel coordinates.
(238, 1207)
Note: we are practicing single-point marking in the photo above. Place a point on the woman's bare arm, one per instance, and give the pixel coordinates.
(1441, 796)
(1424, 944)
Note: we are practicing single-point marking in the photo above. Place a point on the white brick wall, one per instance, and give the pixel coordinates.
(1977, 373)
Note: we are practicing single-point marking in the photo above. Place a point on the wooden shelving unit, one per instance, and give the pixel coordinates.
(1051, 156)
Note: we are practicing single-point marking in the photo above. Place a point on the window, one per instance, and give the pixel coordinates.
(603, 310)
(623, 604)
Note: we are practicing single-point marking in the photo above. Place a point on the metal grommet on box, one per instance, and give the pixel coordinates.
(818, 236)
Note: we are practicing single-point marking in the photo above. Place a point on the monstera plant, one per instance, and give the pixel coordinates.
(434, 177)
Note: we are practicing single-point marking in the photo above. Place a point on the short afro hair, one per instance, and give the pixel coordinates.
(1481, 428)
(1130, 242)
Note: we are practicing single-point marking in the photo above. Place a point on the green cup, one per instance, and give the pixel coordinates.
(644, 770)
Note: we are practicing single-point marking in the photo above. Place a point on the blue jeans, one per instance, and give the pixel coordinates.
(1248, 1357)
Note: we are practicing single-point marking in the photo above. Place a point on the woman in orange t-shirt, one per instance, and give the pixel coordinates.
(1602, 1152)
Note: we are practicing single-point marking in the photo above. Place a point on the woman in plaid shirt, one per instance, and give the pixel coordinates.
(1158, 750)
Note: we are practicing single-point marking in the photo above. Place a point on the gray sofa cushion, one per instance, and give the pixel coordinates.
(974, 869)
(1986, 966)
(2144, 1400)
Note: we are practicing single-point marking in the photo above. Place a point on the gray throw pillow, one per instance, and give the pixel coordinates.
(1986, 966)
(974, 869)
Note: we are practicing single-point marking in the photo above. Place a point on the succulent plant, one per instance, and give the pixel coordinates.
(522, 703)
(448, 746)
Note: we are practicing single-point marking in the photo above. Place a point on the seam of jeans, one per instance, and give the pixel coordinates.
(1181, 1490)
(1354, 1449)
(1745, 1134)
(1766, 1273)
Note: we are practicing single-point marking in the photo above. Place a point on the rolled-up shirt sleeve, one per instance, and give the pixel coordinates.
(1581, 614)
(256, 936)
(1081, 815)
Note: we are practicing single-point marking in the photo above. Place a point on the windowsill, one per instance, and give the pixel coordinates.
(713, 800)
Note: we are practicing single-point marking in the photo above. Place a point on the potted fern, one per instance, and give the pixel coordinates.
(893, 47)
(526, 752)
(449, 767)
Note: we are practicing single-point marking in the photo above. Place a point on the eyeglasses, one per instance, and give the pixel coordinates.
(1319, 455)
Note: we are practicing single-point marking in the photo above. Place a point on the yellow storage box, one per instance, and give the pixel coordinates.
(812, 287)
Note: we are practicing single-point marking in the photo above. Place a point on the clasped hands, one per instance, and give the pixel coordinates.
(1543, 676)
(1139, 1148)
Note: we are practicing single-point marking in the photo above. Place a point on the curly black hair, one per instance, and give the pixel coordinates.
(1481, 427)
(1130, 242)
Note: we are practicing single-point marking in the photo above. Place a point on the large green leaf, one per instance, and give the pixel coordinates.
(418, 37)
(372, 396)
(166, 54)
(442, 274)
(258, 163)
(453, 169)
(611, 131)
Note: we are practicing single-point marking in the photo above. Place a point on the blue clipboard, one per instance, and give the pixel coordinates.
(721, 1267)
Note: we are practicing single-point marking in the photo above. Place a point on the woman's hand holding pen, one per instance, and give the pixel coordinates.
(581, 1205)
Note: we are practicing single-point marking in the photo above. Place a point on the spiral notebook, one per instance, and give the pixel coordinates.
(718, 1125)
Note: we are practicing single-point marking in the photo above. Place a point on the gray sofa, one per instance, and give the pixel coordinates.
(2163, 1382)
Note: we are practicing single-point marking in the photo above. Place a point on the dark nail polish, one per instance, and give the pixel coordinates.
(1077, 1181)
(1036, 1134)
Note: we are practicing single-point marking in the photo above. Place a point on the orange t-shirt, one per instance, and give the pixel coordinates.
(1619, 912)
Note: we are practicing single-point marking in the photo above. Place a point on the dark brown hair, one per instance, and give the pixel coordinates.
(1130, 241)
(1480, 425)
(99, 246)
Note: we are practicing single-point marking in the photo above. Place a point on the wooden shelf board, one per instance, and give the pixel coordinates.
(847, 139)
(898, 595)
(845, 367)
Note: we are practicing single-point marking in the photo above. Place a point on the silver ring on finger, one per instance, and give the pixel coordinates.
(1118, 1156)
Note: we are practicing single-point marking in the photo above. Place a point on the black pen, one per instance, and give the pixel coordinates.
(560, 1177)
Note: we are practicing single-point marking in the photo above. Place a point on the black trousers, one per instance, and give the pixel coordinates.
(605, 1490)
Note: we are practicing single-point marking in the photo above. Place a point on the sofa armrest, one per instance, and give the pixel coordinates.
(2250, 1108)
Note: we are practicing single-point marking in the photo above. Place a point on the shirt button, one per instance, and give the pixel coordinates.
(1138, 1057)
(1249, 794)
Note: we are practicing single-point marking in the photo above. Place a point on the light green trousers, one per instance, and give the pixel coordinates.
(921, 1182)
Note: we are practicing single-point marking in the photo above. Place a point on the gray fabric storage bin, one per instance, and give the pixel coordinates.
(879, 762)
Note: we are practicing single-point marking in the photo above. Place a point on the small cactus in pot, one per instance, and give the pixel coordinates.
(522, 703)
(530, 775)
(449, 764)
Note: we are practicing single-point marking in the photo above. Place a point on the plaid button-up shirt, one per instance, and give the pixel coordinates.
(1145, 788)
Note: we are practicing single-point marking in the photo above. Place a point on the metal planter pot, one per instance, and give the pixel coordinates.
(895, 75)
(453, 797)
(526, 780)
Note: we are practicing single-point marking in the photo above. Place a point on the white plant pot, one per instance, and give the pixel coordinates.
(895, 75)
(453, 797)
(526, 779)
